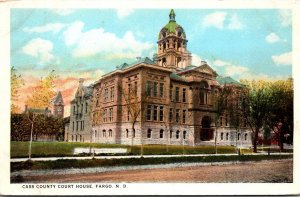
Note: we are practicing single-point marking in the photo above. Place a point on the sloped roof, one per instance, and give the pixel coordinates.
(58, 98)
(227, 80)
(176, 77)
(145, 60)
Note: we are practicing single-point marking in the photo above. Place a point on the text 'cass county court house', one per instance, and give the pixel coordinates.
(173, 101)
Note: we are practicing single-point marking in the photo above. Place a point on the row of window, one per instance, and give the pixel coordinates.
(98, 134)
(107, 96)
(151, 89)
(78, 123)
(80, 108)
(108, 115)
(177, 90)
(78, 138)
(238, 136)
(172, 134)
(156, 113)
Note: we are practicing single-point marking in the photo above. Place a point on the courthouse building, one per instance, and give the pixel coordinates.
(173, 99)
(163, 100)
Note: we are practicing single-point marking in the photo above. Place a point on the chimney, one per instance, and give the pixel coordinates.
(81, 80)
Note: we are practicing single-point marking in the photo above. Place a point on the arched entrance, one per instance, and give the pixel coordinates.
(206, 133)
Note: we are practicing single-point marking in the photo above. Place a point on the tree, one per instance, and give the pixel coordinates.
(256, 106)
(41, 98)
(280, 117)
(16, 82)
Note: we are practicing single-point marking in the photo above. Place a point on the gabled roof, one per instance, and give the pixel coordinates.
(227, 80)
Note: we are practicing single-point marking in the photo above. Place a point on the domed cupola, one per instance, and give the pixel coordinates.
(172, 51)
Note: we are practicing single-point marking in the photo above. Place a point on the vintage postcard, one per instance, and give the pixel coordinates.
(153, 98)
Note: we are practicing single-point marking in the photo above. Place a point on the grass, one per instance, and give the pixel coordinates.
(73, 163)
(50, 149)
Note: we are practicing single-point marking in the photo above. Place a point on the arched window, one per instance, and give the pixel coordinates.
(179, 33)
(72, 138)
(149, 133)
(239, 136)
(246, 136)
(80, 137)
(184, 134)
(161, 133)
(177, 134)
(203, 92)
(104, 133)
(127, 133)
(110, 133)
(227, 136)
(222, 136)
(171, 133)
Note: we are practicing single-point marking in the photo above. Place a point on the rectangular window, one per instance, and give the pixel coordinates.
(177, 115)
(86, 107)
(149, 109)
(74, 110)
(105, 94)
(82, 125)
(73, 127)
(161, 113)
(149, 133)
(155, 112)
(170, 114)
(148, 88)
(177, 94)
(129, 90)
(82, 108)
(184, 95)
(226, 120)
(135, 88)
(161, 133)
(183, 116)
(110, 114)
(171, 134)
(161, 89)
(128, 115)
(76, 125)
(171, 93)
(105, 115)
(154, 89)
(112, 93)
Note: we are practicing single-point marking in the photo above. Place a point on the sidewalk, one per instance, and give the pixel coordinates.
(136, 156)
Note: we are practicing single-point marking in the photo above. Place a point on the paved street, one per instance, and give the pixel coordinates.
(254, 172)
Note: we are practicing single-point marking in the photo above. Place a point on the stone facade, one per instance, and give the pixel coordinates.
(79, 127)
(162, 101)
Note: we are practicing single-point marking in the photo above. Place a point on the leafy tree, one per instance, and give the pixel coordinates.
(256, 106)
(280, 118)
(16, 83)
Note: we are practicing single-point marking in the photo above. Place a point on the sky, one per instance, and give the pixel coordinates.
(87, 43)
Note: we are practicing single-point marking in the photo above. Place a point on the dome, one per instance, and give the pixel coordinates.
(172, 28)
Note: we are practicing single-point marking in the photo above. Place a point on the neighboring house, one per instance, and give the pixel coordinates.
(79, 127)
(175, 100)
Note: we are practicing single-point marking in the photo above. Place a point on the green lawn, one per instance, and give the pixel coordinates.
(47, 149)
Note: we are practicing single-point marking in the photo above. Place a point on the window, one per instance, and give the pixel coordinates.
(161, 89)
(171, 134)
(112, 93)
(227, 136)
(184, 95)
(149, 133)
(155, 112)
(221, 120)
(104, 133)
(246, 136)
(74, 110)
(239, 136)
(133, 133)
(95, 134)
(128, 115)
(76, 138)
(154, 89)
(72, 138)
(177, 134)
(129, 90)
(149, 109)
(135, 88)
(127, 133)
(161, 133)
(171, 93)
(73, 126)
(183, 116)
(110, 114)
(184, 134)
(177, 115)
(82, 125)
(148, 88)
(104, 115)
(170, 114)
(226, 120)
(177, 94)
(105, 94)
(86, 107)
(222, 136)
(76, 125)
(109, 133)
(161, 113)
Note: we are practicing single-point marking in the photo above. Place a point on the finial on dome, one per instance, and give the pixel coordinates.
(172, 15)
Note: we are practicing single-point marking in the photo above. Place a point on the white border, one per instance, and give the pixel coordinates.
(143, 188)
